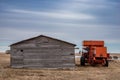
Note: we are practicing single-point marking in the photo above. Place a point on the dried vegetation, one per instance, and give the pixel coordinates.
(78, 73)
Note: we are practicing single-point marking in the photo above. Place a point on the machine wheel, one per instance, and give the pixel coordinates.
(106, 63)
(82, 60)
(93, 63)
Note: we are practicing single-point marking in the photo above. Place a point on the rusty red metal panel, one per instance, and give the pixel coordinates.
(93, 43)
(101, 52)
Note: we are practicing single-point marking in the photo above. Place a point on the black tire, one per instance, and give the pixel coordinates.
(82, 61)
(106, 63)
(93, 63)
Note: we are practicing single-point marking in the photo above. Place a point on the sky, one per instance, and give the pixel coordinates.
(68, 20)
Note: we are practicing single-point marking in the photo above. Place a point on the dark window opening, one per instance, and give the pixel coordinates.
(21, 50)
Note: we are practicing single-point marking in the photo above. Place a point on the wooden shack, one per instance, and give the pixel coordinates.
(42, 52)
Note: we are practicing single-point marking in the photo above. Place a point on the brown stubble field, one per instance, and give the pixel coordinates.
(77, 73)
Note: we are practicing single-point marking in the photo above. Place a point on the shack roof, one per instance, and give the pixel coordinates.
(42, 36)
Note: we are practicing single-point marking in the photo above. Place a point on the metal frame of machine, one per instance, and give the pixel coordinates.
(94, 52)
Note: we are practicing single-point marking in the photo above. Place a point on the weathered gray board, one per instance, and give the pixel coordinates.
(51, 54)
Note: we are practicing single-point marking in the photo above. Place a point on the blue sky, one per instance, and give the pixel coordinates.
(69, 20)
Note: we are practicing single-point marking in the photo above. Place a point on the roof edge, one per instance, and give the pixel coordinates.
(42, 36)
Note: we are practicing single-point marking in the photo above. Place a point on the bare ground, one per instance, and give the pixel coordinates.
(78, 73)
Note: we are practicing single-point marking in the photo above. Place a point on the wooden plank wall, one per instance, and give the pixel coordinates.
(55, 55)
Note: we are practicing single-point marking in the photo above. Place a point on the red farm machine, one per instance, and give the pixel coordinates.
(94, 52)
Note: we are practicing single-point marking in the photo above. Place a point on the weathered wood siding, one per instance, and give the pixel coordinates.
(42, 52)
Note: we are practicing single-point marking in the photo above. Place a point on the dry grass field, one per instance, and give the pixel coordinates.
(78, 73)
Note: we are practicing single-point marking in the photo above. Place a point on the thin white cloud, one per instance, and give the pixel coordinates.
(76, 36)
(71, 21)
(16, 34)
(60, 15)
(87, 5)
